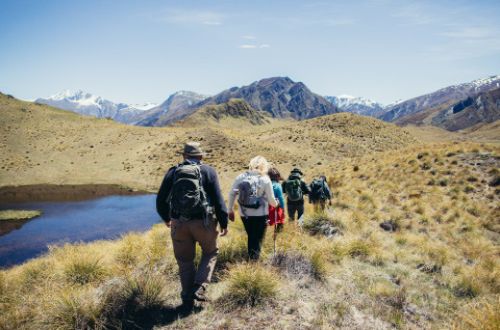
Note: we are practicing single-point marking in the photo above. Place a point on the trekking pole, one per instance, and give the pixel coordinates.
(275, 234)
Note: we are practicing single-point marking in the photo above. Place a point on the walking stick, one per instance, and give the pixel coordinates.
(275, 234)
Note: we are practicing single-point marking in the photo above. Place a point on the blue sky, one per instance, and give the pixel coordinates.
(139, 51)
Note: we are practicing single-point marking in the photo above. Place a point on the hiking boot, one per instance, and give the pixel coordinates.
(199, 293)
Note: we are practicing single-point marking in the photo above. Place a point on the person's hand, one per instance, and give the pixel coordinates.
(231, 215)
(223, 232)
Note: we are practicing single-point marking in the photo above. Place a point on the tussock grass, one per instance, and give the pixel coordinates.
(83, 268)
(482, 314)
(297, 265)
(73, 309)
(250, 284)
(322, 223)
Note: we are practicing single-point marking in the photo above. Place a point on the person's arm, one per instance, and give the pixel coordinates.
(232, 194)
(304, 187)
(162, 206)
(283, 187)
(328, 193)
(217, 200)
(269, 193)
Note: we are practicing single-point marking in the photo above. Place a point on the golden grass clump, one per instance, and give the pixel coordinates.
(83, 268)
(250, 284)
(482, 314)
(72, 309)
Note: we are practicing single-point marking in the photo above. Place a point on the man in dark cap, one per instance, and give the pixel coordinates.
(188, 201)
(295, 188)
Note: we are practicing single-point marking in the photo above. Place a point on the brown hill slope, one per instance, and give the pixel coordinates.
(40, 144)
(480, 109)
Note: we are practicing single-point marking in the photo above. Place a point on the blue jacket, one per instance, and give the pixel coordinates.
(278, 193)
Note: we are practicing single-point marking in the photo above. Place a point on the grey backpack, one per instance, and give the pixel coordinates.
(188, 199)
(248, 192)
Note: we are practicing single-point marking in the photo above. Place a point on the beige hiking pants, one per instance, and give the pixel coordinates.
(184, 238)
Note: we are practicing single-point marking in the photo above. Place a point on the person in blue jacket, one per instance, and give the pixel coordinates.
(275, 177)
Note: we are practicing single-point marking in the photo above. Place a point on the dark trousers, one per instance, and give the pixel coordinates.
(256, 230)
(295, 208)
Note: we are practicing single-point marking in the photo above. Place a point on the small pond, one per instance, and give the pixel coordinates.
(73, 221)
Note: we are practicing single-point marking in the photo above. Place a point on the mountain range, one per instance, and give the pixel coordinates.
(88, 104)
(358, 105)
(445, 96)
(281, 97)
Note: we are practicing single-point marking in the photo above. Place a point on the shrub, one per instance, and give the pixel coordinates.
(250, 284)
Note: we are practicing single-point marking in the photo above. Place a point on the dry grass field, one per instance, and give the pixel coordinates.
(436, 265)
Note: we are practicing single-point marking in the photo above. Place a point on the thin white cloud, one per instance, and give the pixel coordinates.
(194, 17)
(249, 37)
(471, 32)
(253, 46)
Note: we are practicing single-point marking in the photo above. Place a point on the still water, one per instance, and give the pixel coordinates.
(79, 221)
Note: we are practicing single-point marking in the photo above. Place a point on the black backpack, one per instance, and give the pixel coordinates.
(317, 190)
(187, 197)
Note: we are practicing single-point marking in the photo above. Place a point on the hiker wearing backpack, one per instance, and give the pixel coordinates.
(255, 193)
(319, 193)
(277, 214)
(191, 203)
(295, 188)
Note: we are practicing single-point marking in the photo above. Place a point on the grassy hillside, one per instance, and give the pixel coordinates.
(44, 145)
(411, 242)
(437, 268)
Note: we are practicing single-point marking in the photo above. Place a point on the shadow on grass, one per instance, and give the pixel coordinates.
(157, 317)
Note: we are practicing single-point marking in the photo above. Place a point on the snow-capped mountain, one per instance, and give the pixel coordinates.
(358, 105)
(91, 105)
(175, 103)
(442, 97)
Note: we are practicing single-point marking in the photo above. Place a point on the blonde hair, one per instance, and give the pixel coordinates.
(259, 164)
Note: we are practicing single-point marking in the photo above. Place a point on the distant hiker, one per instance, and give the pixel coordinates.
(255, 193)
(319, 193)
(189, 200)
(295, 188)
(277, 214)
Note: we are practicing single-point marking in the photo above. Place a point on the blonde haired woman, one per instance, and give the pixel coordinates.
(255, 193)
